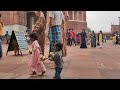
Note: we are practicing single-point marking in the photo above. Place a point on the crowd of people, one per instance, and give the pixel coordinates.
(77, 39)
(58, 41)
(95, 39)
(70, 37)
(56, 35)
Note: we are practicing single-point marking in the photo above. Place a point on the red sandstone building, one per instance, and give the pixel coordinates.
(77, 20)
(14, 20)
(23, 20)
(115, 28)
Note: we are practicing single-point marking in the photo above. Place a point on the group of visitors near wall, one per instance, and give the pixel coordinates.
(81, 38)
(115, 38)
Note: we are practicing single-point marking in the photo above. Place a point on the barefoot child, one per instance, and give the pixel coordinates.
(36, 65)
(58, 60)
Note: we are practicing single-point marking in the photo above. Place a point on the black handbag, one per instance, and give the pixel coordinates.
(98, 43)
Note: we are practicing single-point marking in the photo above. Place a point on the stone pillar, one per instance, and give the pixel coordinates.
(82, 15)
(72, 15)
(78, 15)
(75, 15)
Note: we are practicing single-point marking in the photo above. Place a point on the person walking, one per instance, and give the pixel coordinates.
(7, 36)
(58, 60)
(73, 37)
(35, 64)
(83, 39)
(69, 37)
(93, 39)
(114, 40)
(100, 39)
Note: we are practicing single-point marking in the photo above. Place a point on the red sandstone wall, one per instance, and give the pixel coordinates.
(80, 16)
(114, 28)
(14, 17)
(19, 17)
(84, 15)
(77, 26)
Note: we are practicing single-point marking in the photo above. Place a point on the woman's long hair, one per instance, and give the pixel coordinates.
(39, 13)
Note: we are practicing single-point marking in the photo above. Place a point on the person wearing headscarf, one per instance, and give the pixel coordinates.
(93, 39)
(100, 39)
(83, 39)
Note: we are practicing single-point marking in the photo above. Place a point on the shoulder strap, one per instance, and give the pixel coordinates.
(1, 23)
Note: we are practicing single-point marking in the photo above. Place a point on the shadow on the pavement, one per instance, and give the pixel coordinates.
(20, 55)
(37, 76)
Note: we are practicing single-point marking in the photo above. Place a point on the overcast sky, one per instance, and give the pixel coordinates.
(101, 20)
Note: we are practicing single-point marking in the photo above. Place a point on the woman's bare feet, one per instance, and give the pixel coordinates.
(42, 73)
(33, 73)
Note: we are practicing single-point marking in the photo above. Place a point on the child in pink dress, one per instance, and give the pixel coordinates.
(36, 65)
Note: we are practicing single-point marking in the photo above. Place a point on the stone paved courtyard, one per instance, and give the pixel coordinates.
(90, 63)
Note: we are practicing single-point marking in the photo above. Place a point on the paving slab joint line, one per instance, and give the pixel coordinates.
(96, 66)
(12, 69)
(67, 67)
(8, 71)
(16, 76)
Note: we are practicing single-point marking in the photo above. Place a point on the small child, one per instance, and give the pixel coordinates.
(16, 47)
(114, 40)
(58, 60)
(36, 65)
